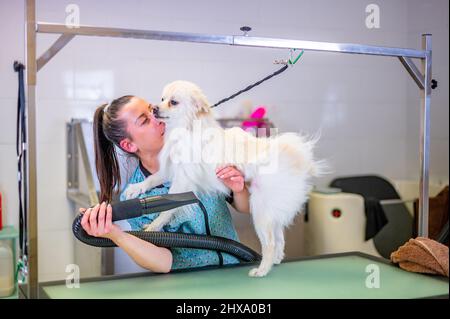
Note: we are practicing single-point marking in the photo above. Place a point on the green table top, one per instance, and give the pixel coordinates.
(333, 276)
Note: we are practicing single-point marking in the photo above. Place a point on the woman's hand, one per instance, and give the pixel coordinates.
(97, 221)
(231, 177)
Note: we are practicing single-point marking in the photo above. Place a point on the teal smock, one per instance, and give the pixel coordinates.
(190, 220)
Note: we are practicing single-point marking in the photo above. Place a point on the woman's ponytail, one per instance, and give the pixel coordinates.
(106, 163)
(109, 130)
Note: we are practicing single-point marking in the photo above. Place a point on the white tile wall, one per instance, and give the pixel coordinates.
(55, 252)
(365, 107)
(8, 119)
(8, 184)
(55, 212)
(419, 23)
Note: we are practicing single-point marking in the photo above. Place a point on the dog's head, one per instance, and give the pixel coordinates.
(182, 102)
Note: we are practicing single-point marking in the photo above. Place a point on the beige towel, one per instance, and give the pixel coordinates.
(422, 255)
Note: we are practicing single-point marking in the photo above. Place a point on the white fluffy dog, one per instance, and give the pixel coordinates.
(278, 169)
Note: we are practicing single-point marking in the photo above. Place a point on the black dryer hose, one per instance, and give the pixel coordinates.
(153, 204)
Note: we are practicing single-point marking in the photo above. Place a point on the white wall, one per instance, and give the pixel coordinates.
(367, 108)
(418, 23)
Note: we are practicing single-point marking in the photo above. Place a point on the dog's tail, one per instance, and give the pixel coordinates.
(320, 167)
(307, 144)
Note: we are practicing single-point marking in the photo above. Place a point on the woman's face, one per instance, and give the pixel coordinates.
(145, 131)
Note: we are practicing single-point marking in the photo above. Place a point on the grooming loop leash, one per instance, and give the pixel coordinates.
(286, 63)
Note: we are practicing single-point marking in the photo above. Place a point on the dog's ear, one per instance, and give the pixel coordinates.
(201, 103)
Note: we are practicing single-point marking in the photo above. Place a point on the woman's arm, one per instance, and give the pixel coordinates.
(97, 221)
(145, 254)
(241, 201)
(234, 180)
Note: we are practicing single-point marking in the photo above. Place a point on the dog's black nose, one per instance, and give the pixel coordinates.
(156, 111)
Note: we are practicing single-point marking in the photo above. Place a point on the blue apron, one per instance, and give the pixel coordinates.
(190, 220)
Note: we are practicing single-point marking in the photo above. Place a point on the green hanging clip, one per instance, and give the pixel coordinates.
(296, 59)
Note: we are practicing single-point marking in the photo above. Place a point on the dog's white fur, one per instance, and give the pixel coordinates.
(278, 172)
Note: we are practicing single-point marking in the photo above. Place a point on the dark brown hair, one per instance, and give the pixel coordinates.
(109, 130)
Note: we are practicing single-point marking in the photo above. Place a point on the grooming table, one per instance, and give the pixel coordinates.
(327, 276)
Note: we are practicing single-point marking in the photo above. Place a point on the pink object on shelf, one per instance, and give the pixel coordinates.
(257, 114)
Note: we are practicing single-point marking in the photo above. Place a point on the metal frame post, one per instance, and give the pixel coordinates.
(30, 176)
(425, 137)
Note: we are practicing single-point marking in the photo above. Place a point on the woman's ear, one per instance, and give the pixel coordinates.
(127, 145)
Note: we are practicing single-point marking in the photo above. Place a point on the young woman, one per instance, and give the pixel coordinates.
(129, 124)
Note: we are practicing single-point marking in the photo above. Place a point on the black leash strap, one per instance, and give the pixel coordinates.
(21, 143)
(252, 86)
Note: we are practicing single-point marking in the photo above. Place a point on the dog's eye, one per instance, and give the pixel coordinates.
(162, 99)
(173, 102)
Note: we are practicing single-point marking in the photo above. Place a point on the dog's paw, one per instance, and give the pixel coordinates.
(134, 190)
(259, 272)
(153, 227)
(278, 258)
